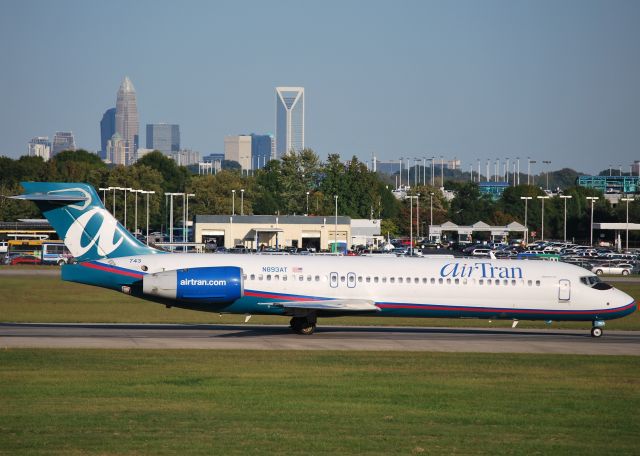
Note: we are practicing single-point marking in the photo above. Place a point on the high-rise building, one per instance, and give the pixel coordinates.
(127, 123)
(107, 129)
(262, 150)
(186, 157)
(238, 149)
(163, 137)
(141, 153)
(39, 146)
(62, 140)
(117, 150)
(289, 120)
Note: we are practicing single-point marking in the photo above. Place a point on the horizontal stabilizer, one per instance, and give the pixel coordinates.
(67, 197)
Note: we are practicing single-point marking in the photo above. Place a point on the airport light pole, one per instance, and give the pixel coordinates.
(185, 217)
(529, 161)
(593, 200)
(126, 189)
(547, 162)
(307, 203)
(442, 170)
(565, 198)
(242, 201)
(542, 198)
(113, 211)
(399, 174)
(104, 195)
(418, 216)
(433, 171)
(526, 227)
(171, 195)
(431, 214)
(335, 226)
(411, 221)
(627, 239)
(233, 202)
(148, 192)
(135, 217)
(518, 171)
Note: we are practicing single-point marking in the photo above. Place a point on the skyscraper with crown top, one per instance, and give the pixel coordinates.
(127, 123)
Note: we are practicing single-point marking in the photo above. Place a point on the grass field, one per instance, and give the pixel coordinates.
(43, 298)
(128, 402)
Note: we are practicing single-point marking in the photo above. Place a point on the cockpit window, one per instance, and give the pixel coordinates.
(595, 282)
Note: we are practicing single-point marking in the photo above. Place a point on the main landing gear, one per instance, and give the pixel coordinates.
(303, 325)
(596, 330)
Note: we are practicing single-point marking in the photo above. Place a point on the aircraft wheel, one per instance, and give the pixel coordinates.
(302, 325)
(596, 332)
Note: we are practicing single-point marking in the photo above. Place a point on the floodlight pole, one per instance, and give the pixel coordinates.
(542, 198)
(627, 234)
(526, 226)
(565, 198)
(335, 228)
(233, 202)
(593, 200)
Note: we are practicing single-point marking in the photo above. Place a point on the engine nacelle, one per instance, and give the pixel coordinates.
(218, 285)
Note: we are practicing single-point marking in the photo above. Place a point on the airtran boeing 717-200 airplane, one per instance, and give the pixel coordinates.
(308, 287)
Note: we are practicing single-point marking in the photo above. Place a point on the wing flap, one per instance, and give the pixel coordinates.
(332, 305)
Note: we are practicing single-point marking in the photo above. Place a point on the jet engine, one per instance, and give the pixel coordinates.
(218, 285)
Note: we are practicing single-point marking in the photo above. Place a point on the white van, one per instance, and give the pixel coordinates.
(4, 246)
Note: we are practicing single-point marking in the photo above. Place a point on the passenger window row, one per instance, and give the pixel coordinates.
(399, 280)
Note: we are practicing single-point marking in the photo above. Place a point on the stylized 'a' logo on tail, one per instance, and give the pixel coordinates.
(76, 213)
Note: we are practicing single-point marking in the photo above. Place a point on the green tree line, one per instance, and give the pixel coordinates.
(300, 183)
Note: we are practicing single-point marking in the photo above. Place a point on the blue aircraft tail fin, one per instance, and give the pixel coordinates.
(89, 231)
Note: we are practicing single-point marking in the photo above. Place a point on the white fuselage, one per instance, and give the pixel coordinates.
(402, 286)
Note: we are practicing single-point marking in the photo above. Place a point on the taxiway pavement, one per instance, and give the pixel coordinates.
(262, 337)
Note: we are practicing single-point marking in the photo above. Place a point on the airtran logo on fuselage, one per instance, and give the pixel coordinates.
(203, 282)
(481, 271)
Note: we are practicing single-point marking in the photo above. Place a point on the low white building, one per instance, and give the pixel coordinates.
(256, 231)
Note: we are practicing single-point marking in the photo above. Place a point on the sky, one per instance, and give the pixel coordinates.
(551, 80)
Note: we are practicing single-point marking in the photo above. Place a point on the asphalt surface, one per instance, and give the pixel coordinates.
(261, 337)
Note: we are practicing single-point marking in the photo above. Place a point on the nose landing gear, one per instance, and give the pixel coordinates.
(596, 330)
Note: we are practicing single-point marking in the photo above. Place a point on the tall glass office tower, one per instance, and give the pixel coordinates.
(107, 129)
(261, 150)
(289, 119)
(127, 123)
(163, 137)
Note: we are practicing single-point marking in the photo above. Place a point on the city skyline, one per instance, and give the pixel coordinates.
(553, 81)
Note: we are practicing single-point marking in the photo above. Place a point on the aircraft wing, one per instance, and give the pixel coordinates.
(331, 306)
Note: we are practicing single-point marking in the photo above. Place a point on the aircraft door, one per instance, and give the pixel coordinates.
(564, 290)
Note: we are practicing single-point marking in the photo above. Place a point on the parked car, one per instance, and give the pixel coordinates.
(25, 259)
(10, 256)
(480, 252)
(613, 268)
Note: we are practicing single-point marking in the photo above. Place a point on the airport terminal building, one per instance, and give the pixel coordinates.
(256, 231)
